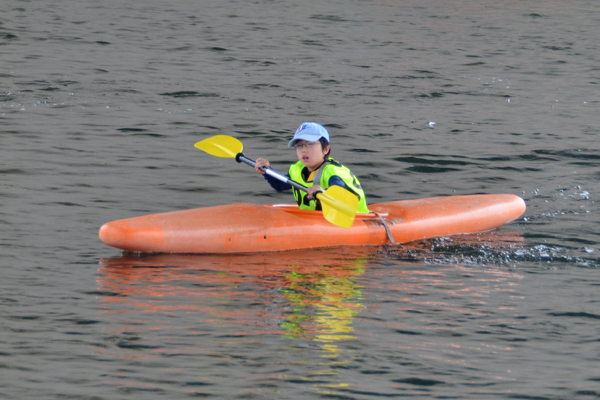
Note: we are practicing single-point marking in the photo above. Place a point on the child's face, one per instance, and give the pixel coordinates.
(312, 155)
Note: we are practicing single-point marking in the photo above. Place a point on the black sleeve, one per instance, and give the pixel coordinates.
(277, 184)
(337, 181)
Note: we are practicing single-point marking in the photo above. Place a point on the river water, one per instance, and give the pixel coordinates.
(100, 106)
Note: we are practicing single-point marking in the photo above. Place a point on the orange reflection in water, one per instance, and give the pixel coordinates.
(309, 295)
(312, 295)
(317, 287)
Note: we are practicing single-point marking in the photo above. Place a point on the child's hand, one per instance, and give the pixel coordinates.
(312, 191)
(261, 163)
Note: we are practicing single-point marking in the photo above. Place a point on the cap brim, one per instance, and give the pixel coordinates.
(308, 138)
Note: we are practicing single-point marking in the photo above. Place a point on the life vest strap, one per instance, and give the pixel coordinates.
(317, 178)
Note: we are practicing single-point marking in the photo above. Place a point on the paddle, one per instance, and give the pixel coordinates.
(338, 204)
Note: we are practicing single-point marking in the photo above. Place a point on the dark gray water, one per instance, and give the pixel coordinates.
(100, 106)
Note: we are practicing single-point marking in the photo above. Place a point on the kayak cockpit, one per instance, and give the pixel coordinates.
(295, 210)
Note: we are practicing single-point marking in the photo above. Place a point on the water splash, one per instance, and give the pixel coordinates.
(499, 249)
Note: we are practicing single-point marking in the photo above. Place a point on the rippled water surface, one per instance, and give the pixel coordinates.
(100, 106)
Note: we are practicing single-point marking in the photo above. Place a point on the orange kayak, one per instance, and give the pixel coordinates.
(249, 228)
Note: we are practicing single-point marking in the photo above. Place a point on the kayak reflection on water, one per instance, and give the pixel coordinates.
(311, 295)
(224, 304)
(212, 310)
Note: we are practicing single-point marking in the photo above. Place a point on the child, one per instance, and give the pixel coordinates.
(315, 169)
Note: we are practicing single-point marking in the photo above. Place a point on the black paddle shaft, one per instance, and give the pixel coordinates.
(240, 157)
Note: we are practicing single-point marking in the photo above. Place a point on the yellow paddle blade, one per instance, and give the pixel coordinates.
(221, 146)
(339, 206)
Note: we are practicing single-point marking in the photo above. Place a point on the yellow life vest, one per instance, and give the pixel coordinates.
(299, 173)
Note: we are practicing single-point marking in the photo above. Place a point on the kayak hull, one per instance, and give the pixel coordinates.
(249, 228)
